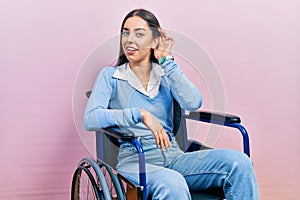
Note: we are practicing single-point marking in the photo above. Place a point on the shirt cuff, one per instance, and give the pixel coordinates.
(169, 65)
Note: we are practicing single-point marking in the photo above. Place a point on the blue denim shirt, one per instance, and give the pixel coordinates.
(115, 102)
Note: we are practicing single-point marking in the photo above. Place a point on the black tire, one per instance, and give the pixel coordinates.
(114, 183)
(84, 186)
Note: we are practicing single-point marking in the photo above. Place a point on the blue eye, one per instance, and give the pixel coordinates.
(139, 34)
(125, 33)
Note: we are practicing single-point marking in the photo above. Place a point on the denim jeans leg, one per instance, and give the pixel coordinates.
(232, 170)
(162, 183)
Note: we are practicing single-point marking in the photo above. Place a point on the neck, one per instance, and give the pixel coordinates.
(141, 69)
(142, 72)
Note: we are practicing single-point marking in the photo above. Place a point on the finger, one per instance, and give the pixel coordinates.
(160, 42)
(161, 141)
(166, 141)
(163, 38)
(162, 33)
(156, 138)
(170, 39)
(166, 37)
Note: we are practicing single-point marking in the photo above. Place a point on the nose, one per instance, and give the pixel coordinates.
(130, 37)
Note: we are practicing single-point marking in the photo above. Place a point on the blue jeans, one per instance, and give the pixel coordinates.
(173, 174)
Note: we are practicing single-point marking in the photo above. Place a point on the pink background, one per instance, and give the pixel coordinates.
(254, 44)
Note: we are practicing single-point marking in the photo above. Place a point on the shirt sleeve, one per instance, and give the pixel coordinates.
(183, 90)
(97, 115)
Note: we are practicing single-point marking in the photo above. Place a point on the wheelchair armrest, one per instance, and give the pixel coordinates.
(216, 118)
(118, 135)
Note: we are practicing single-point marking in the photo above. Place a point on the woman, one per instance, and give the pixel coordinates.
(137, 96)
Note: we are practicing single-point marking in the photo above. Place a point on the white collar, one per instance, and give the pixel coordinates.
(125, 73)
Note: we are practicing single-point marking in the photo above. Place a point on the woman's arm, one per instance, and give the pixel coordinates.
(183, 90)
(97, 115)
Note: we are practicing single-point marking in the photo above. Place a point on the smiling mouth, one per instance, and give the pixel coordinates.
(131, 50)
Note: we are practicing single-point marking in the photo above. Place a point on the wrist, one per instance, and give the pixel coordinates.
(166, 53)
(165, 58)
(163, 53)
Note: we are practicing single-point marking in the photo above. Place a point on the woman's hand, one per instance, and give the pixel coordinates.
(164, 46)
(161, 137)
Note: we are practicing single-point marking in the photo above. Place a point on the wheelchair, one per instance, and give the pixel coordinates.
(98, 179)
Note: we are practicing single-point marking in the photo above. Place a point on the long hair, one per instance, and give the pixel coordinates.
(153, 25)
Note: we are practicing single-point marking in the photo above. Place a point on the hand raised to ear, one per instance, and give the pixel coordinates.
(164, 46)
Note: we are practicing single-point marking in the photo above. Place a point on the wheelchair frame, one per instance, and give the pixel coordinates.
(227, 120)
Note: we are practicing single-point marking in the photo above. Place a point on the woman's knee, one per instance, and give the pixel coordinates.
(242, 160)
(240, 164)
(235, 157)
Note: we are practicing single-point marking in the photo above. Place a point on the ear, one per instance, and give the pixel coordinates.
(155, 42)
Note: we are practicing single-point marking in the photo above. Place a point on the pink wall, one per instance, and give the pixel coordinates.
(255, 46)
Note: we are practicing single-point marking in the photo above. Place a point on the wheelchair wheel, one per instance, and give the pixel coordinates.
(84, 185)
(114, 183)
(89, 183)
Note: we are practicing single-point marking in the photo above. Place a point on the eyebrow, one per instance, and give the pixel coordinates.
(136, 29)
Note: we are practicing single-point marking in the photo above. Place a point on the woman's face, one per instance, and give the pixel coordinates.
(137, 41)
